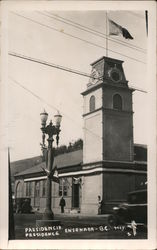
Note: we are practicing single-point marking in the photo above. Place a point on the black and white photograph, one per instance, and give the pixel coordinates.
(78, 106)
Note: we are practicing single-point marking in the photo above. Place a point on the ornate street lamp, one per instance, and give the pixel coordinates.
(50, 130)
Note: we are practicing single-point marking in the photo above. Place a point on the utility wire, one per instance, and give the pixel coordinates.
(61, 68)
(51, 106)
(91, 31)
(38, 97)
(32, 93)
(78, 38)
(52, 65)
(98, 32)
(138, 89)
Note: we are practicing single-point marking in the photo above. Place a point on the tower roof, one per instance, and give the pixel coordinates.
(107, 59)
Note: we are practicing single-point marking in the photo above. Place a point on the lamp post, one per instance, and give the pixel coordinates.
(50, 130)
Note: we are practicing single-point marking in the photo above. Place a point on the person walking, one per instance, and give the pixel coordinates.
(99, 204)
(62, 204)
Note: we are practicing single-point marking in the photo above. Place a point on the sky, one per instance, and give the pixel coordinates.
(60, 90)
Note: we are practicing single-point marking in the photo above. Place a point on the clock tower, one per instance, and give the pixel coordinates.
(108, 130)
(108, 115)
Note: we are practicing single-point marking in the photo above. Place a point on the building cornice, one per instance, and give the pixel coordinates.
(93, 87)
(117, 164)
(108, 83)
(42, 173)
(106, 110)
(96, 168)
(92, 112)
(93, 171)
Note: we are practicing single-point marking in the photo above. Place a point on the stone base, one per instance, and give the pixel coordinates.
(47, 223)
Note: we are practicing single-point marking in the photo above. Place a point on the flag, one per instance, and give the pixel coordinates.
(53, 174)
(55, 177)
(76, 180)
(115, 29)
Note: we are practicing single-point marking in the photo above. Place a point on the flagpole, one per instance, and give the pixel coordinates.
(11, 211)
(106, 36)
(146, 17)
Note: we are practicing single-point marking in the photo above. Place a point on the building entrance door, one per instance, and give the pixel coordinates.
(75, 196)
(37, 194)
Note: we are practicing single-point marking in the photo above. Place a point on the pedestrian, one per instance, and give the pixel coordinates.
(134, 227)
(99, 204)
(62, 204)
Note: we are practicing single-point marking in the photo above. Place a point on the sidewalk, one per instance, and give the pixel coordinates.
(79, 216)
(83, 216)
(76, 226)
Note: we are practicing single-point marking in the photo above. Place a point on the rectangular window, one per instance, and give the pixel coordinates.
(44, 188)
(65, 190)
(37, 188)
(63, 187)
(60, 187)
(28, 189)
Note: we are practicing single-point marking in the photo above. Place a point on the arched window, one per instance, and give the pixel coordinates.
(92, 103)
(117, 102)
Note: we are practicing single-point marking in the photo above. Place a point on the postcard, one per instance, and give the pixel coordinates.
(78, 125)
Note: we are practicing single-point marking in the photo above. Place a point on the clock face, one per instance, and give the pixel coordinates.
(94, 77)
(115, 75)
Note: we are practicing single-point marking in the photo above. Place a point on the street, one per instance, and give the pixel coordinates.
(72, 227)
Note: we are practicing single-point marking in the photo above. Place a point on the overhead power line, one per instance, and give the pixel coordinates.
(91, 31)
(61, 67)
(33, 94)
(138, 89)
(78, 38)
(52, 65)
(50, 105)
(37, 96)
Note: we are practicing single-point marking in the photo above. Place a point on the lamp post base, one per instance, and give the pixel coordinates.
(48, 215)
